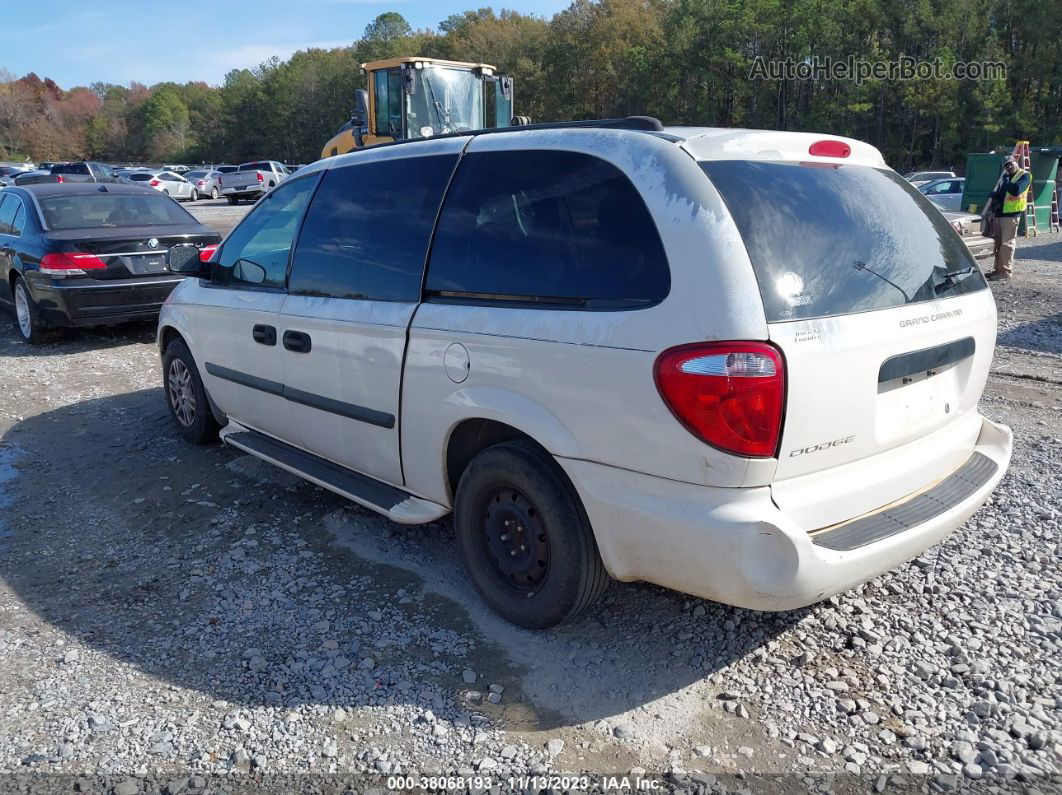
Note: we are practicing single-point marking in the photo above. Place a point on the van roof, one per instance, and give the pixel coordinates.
(702, 143)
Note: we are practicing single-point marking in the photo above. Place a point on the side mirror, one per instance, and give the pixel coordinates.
(246, 270)
(184, 259)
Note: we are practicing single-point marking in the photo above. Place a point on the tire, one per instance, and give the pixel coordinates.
(27, 319)
(186, 396)
(166, 191)
(233, 200)
(214, 192)
(513, 493)
(195, 195)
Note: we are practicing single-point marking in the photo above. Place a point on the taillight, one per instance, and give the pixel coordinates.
(74, 263)
(206, 252)
(201, 182)
(154, 183)
(729, 394)
(260, 177)
(59, 178)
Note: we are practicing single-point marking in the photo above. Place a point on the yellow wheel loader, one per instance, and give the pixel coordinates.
(418, 97)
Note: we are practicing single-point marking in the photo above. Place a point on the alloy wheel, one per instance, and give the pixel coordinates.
(182, 392)
(22, 312)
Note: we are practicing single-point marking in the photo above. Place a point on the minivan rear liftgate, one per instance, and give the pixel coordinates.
(886, 325)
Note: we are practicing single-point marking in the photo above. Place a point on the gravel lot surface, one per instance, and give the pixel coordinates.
(171, 614)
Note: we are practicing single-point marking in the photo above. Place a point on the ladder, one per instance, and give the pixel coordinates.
(1054, 223)
(1027, 225)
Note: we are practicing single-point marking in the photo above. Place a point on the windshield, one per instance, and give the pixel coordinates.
(101, 210)
(445, 100)
(833, 240)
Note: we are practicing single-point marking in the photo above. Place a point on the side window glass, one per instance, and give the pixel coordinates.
(388, 85)
(367, 231)
(380, 99)
(19, 223)
(7, 213)
(549, 229)
(256, 252)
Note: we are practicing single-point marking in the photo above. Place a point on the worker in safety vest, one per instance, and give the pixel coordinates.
(1009, 202)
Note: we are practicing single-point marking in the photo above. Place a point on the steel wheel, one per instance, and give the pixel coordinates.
(182, 393)
(213, 193)
(515, 539)
(22, 311)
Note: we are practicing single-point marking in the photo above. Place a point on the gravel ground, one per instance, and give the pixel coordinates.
(171, 614)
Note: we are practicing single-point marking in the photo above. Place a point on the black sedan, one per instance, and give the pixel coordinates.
(82, 254)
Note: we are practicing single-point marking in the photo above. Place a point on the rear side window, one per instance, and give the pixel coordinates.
(366, 233)
(8, 209)
(547, 228)
(833, 240)
(19, 223)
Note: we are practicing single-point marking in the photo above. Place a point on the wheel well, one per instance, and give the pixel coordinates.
(169, 334)
(470, 438)
(12, 277)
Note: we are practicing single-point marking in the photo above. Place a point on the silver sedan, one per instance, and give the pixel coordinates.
(173, 185)
(207, 183)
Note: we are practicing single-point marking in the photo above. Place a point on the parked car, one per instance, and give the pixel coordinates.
(918, 178)
(225, 169)
(251, 180)
(82, 171)
(173, 185)
(45, 165)
(968, 225)
(207, 183)
(177, 169)
(28, 177)
(736, 374)
(9, 172)
(945, 193)
(87, 255)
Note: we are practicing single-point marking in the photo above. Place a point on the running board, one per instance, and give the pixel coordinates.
(394, 503)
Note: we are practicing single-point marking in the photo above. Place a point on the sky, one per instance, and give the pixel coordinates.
(118, 41)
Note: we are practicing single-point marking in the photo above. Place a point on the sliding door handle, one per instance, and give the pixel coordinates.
(297, 341)
(265, 335)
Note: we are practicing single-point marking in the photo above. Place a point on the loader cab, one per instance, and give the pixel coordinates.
(421, 98)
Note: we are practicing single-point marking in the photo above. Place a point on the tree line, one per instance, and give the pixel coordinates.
(683, 61)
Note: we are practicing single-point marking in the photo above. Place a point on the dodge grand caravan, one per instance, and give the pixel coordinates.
(741, 364)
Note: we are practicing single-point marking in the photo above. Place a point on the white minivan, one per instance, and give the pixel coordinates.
(741, 364)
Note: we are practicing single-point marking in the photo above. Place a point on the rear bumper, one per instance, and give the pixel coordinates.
(103, 303)
(981, 247)
(735, 546)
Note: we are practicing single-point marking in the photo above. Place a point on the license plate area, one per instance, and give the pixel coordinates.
(146, 264)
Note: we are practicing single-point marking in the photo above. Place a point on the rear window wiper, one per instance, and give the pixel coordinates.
(950, 279)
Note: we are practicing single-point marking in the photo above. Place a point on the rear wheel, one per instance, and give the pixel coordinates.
(166, 191)
(195, 195)
(30, 326)
(525, 538)
(213, 193)
(233, 200)
(186, 395)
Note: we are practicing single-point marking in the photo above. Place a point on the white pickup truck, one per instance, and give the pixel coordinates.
(251, 180)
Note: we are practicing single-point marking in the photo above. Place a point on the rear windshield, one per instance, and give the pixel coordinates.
(70, 168)
(833, 240)
(255, 166)
(101, 210)
(194, 174)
